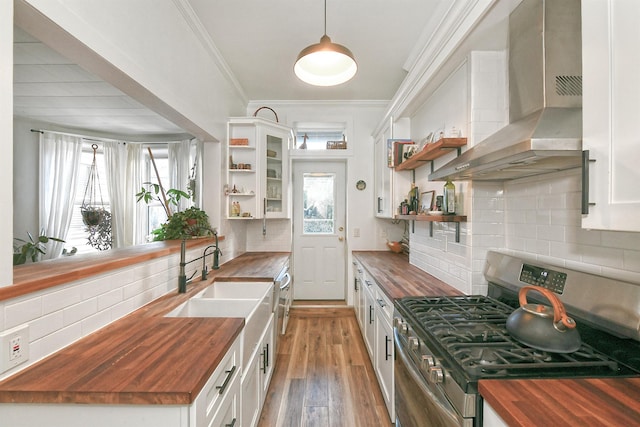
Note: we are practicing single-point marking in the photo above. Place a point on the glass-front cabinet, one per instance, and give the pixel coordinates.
(258, 174)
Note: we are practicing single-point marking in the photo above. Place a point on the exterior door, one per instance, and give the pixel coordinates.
(319, 247)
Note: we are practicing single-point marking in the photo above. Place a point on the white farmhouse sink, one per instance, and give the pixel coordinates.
(205, 307)
(236, 290)
(256, 313)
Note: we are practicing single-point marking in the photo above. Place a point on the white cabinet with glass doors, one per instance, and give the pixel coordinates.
(390, 187)
(258, 174)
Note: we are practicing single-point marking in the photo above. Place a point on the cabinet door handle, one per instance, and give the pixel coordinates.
(387, 340)
(225, 383)
(267, 356)
(355, 284)
(370, 314)
(232, 424)
(585, 182)
(379, 202)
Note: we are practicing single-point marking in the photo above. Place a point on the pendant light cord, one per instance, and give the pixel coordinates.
(325, 17)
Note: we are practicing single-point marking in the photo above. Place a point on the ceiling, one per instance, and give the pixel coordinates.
(258, 40)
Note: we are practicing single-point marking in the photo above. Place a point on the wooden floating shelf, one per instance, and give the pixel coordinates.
(431, 152)
(457, 219)
(433, 218)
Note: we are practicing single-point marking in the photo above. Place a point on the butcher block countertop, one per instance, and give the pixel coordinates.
(141, 358)
(557, 402)
(613, 402)
(397, 278)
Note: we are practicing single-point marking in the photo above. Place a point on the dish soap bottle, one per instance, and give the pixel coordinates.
(449, 199)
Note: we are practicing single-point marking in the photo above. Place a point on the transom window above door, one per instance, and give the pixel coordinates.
(319, 136)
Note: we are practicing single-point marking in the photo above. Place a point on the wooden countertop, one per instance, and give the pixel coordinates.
(611, 402)
(397, 278)
(32, 277)
(140, 359)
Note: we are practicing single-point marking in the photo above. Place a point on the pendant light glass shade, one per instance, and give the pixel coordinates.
(325, 64)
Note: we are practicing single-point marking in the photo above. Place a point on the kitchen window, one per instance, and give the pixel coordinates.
(318, 203)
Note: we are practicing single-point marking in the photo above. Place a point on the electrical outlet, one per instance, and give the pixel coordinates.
(356, 232)
(383, 233)
(14, 347)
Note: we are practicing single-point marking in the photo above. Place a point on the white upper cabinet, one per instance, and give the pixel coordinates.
(390, 188)
(611, 110)
(258, 174)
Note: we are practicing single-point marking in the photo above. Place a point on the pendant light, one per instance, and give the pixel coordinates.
(325, 63)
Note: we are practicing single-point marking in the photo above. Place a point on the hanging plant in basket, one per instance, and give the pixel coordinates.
(93, 212)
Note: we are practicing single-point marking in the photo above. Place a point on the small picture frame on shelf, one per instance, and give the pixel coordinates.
(426, 201)
(408, 150)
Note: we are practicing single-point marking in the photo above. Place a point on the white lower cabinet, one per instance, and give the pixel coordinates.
(358, 295)
(377, 332)
(220, 394)
(385, 351)
(369, 331)
(256, 378)
(490, 418)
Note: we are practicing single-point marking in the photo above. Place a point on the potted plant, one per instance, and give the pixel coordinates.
(92, 215)
(156, 192)
(190, 223)
(24, 250)
(100, 234)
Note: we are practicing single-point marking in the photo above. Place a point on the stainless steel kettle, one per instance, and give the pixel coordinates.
(543, 327)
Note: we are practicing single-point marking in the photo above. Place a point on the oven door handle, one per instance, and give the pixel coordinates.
(446, 410)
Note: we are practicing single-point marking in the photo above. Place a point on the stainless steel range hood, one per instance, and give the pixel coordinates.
(545, 99)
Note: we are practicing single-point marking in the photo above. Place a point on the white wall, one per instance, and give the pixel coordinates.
(6, 136)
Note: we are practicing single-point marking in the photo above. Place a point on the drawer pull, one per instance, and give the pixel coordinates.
(224, 385)
(232, 424)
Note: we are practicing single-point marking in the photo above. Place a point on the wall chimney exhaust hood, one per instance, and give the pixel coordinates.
(544, 133)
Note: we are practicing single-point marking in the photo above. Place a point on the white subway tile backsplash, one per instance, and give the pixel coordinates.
(45, 325)
(63, 314)
(77, 312)
(110, 299)
(22, 311)
(94, 322)
(61, 298)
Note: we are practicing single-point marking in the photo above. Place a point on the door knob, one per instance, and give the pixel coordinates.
(340, 228)
(340, 238)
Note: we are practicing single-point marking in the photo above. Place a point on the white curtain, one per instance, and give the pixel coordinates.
(59, 161)
(123, 162)
(179, 154)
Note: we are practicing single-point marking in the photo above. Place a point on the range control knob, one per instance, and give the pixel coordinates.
(414, 344)
(427, 361)
(403, 327)
(436, 374)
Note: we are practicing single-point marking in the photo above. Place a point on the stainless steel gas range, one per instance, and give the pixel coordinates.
(445, 345)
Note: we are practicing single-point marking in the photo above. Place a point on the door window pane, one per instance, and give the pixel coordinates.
(318, 203)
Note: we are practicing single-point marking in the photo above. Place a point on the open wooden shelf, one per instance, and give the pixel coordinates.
(457, 219)
(433, 218)
(431, 152)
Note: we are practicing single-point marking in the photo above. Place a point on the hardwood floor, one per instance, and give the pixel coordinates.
(323, 374)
